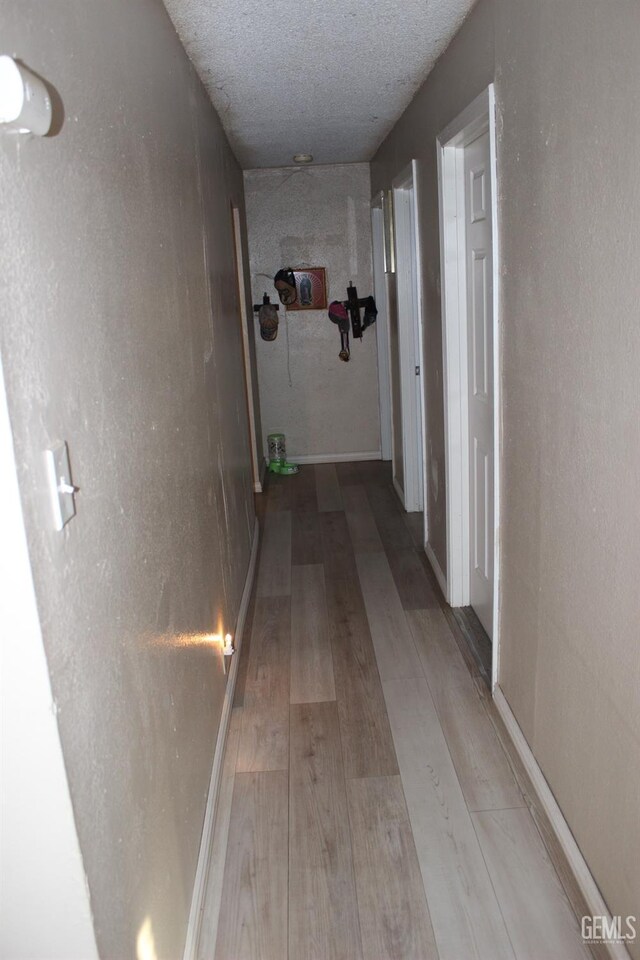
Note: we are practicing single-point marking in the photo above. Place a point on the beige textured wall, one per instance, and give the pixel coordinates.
(318, 216)
(120, 335)
(566, 75)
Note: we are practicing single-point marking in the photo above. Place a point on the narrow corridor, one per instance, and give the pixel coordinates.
(367, 809)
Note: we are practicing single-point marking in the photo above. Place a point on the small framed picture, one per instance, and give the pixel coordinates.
(311, 287)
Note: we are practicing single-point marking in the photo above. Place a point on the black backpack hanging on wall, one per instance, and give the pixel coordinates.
(341, 312)
(353, 303)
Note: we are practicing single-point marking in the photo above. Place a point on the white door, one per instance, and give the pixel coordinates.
(479, 275)
(418, 387)
(410, 339)
(382, 331)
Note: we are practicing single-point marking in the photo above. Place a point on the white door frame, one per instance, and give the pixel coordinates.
(382, 327)
(411, 347)
(478, 117)
(245, 320)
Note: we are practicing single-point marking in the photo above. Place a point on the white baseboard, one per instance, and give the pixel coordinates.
(577, 863)
(199, 886)
(334, 457)
(437, 569)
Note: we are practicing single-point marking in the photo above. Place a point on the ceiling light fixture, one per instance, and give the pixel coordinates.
(302, 158)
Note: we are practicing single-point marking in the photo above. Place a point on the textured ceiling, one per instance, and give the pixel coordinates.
(326, 77)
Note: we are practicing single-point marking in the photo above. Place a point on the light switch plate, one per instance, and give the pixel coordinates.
(61, 488)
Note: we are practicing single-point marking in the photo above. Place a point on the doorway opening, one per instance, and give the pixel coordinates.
(469, 259)
(410, 346)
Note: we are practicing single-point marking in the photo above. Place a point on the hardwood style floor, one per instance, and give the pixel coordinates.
(367, 809)
(476, 638)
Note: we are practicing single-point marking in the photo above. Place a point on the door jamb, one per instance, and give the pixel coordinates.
(477, 117)
(246, 349)
(409, 178)
(382, 328)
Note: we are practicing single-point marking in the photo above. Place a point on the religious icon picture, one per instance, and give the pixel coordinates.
(311, 285)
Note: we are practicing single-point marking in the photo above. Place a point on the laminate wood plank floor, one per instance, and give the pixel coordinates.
(336, 541)
(394, 917)
(393, 641)
(527, 887)
(483, 770)
(253, 923)
(384, 502)
(464, 910)
(415, 525)
(367, 746)
(311, 660)
(476, 639)
(327, 487)
(264, 737)
(279, 494)
(348, 473)
(366, 737)
(375, 473)
(323, 908)
(274, 566)
(411, 580)
(306, 540)
(305, 527)
(367, 811)
(303, 491)
(362, 525)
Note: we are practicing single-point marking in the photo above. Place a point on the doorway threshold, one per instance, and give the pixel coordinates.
(476, 639)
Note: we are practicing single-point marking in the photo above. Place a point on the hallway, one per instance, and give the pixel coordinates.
(469, 165)
(367, 809)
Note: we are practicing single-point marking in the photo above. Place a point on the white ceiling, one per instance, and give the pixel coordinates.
(326, 77)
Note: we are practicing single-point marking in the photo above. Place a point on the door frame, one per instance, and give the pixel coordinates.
(382, 327)
(411, 348)
(474, 120)
(245, 320)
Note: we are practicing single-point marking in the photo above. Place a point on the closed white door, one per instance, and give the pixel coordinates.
(418, 387)
(479, 276)
(382, 332)
(410, 341)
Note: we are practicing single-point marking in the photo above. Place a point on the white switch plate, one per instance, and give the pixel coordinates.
(60, 486)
